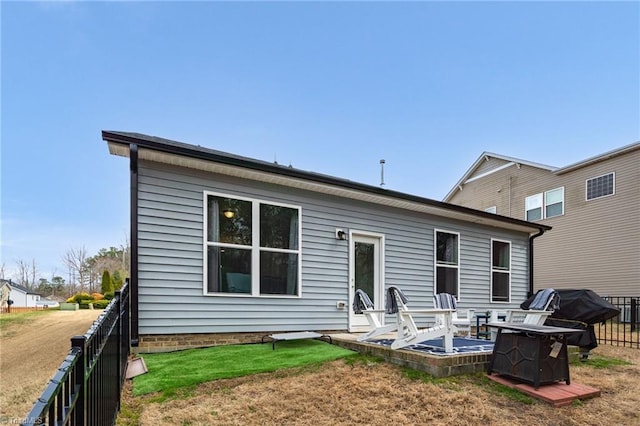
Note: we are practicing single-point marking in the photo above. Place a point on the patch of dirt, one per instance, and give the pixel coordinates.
(340, 393)
(30, 353)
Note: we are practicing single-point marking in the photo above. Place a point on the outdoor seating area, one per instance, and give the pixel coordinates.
(523, 352)
(465, 357)
(407, 332)
(451, 335)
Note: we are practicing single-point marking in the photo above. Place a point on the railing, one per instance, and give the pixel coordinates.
(86, 388)
(623, 330)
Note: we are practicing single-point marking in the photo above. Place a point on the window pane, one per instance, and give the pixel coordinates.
(447, 280)
(229, 270)
(447, 248)
(278, 227)
(535, 214)
(533, 207)
(554, 196)
(554, 210)
(533, 202)
(600, 186)
(500, 291)
(365, 268)
(501, 255)
(229, 221)
(278, 273)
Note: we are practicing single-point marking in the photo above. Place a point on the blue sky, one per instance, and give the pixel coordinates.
(325, 86)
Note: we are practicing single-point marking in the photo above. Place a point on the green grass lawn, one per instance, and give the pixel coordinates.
(168, 372)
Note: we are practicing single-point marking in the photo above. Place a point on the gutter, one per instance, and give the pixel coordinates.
(133, 261)
(200, 153)
(531, 238)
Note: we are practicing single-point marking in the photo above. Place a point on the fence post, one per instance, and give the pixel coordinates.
(80, 380)
(119, 340)
(634, 314)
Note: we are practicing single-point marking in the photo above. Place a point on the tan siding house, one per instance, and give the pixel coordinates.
(593, 207)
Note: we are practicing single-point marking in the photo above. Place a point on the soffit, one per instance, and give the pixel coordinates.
(322, 188)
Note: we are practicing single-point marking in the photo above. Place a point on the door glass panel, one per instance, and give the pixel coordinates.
(365, 268)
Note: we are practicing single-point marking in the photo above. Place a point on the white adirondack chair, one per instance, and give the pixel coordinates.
(408, 331)
(460, 323)
(542, 306)
(362, 304)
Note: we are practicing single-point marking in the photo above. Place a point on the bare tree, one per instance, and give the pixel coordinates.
(2, 271)
(33, 272)
(76, 261)
(27, 273)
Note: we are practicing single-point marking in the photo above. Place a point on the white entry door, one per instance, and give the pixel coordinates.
(366, 272)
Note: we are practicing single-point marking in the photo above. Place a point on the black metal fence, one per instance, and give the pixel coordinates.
(86, 388)
(623, 330)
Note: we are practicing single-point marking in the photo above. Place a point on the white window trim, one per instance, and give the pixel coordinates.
(436, 264)
(544, 205)
(544, 211)
(380, 262)
(586, 184)
(255, 247)
(526, 210)
(501, 270)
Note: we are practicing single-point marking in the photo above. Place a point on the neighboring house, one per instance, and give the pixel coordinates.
(5, 294)
(593, 206)
(22, 297)
(227, 249)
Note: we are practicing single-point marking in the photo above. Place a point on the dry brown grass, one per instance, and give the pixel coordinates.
(30, 353)
(379, 394)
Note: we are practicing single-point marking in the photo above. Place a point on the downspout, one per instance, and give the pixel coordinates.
(531, 238)
(133, 167)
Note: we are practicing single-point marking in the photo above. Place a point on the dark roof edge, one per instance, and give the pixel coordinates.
(180, 148)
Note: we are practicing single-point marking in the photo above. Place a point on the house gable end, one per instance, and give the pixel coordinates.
(487, 164)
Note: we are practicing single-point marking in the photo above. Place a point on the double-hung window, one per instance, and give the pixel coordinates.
(252, 247)
(500, 271)
(544, 205)
(533, 207)
(554, 202)
(447, 265)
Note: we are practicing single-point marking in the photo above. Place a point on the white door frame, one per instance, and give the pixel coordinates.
(357, 322)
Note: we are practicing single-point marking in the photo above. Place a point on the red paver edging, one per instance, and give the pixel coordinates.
(558, 394)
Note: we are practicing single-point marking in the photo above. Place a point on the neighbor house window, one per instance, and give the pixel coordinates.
(600, 186)
(533, 207)
(492, 209)
(447, 247)
(252, 247)
(554, 202)
(500, 271)
(544, 205)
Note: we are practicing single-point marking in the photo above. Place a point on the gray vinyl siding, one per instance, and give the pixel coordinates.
(595, 244)
(170, 241)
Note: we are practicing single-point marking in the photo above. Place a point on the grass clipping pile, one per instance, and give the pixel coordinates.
(365, 391)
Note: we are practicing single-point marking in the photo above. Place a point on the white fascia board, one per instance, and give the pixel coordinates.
(490, 172)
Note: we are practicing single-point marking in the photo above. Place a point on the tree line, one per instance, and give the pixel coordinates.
(84, 272)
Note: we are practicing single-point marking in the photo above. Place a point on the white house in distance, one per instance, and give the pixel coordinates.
(21, 296)
(225, 249)
(5, 291)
